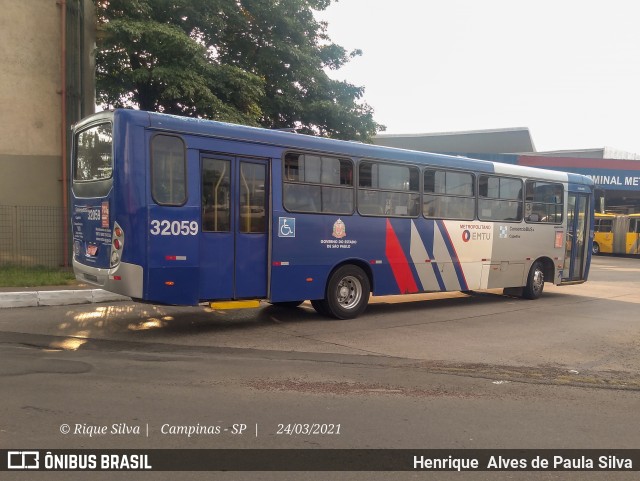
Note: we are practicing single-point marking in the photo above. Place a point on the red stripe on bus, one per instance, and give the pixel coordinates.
(398, 262)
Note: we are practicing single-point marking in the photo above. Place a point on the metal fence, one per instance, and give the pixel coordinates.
(31, 235)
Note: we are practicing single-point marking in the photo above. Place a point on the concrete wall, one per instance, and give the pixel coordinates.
(30, 100)
(32, 217)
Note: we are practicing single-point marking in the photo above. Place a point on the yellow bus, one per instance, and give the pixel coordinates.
(616, 234)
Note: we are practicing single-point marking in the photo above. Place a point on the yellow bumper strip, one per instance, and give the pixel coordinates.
(234, 304)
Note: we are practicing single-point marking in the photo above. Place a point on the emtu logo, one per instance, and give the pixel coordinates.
(23, 460)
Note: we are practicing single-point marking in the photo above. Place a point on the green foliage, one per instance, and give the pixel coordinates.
(151, 56)
(19, 276)
(257, 62)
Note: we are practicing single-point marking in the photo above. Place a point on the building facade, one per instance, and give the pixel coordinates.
(46, 84)
(615, 173)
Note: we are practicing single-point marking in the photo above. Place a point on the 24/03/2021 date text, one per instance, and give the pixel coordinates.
(308, 429)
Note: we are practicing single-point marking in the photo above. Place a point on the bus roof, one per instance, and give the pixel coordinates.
(288, 140)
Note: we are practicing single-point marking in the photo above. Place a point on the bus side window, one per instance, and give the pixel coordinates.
(301, 197)
(603, 225)
(500, 198)
(317, 183)
(389, 190)
(168, 170)
(449, 195)
(544, 202)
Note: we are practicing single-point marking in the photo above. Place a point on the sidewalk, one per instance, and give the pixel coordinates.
(55, 296)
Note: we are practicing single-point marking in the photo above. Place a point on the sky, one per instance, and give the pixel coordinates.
(568, 70)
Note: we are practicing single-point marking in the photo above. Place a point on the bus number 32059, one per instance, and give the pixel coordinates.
(175, 227)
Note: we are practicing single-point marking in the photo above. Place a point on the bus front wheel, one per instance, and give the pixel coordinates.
(595, 250)
(347, 293)
(535, 282)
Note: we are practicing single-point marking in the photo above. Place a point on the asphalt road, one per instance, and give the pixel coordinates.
(430, 371)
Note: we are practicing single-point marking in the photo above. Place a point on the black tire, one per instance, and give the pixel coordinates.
(319, 306)
(347, 293)
(290, 304)
(595, 250)
(535, 282)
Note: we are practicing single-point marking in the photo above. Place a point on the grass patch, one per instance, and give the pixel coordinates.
(20, 276)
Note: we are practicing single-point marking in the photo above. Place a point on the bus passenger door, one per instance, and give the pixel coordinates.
(234, 239)
(577, 237)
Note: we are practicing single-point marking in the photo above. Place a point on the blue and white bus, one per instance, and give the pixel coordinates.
(182, 211)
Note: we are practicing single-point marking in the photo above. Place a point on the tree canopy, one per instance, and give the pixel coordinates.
(256, 62)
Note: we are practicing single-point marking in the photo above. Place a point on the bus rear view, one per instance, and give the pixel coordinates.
(98, 192)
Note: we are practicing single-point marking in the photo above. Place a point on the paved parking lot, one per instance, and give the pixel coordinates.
(430, 371)
(592, 326)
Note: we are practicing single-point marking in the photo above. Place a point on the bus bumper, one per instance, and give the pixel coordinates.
(126, 279)
(571, 283)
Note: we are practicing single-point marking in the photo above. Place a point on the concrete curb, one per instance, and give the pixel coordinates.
(57, 298)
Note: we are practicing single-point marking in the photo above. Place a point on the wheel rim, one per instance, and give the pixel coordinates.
(349, 292)
(538, 280)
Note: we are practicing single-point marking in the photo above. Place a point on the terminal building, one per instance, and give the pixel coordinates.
(615, 173)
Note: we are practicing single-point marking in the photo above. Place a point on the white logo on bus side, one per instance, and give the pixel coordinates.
(174, 227)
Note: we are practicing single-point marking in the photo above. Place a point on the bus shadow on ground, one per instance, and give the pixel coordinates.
(157, 322)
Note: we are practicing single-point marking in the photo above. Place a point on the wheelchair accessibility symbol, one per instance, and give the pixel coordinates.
(286, 227)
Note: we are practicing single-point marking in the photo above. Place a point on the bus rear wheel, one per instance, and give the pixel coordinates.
(535, 282)
(347, 293)
(595, 249)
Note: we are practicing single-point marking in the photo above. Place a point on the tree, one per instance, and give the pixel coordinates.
(152, 55)
(258, 62)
